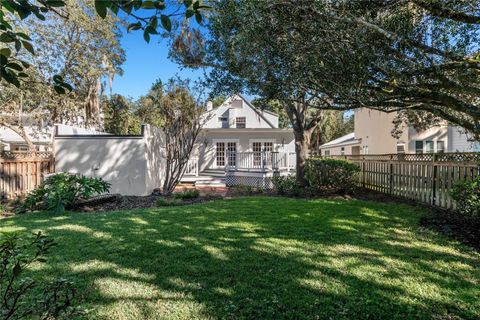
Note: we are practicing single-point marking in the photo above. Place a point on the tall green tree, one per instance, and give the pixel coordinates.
(84, 49)
(120, 117)
(388, 55)
(181, 112)
(284, 51)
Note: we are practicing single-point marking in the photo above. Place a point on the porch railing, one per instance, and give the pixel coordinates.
(192, 167)
(261, 160)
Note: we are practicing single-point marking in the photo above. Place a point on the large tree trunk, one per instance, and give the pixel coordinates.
(302, 149)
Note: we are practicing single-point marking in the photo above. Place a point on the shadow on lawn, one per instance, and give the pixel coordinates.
(245, 259)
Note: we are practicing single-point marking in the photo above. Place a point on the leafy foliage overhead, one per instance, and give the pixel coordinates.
(162, 13)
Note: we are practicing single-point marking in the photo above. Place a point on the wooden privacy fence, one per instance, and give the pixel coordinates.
(427, 178)
(21, 172)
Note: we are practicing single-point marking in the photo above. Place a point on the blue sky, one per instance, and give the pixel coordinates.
(146, 62)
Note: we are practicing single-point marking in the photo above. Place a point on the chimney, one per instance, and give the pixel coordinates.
(209, 105)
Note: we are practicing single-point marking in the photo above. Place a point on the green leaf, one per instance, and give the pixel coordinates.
(25, 64)
(24, 36)
(196, 4)
(55, 3)
(151, 30)
(28, 46)
(187, 3)
(57, 78)
(67, 86)
(166, 23)
(59, 89)
(39, 16)
(5, 52)
(5, 37)
(22, 75)
(148, 5)
(198, 17)
(154, 22)
(146, 36)
(18, 45)
(14, 66)
(101, 8)
(189, 13)
(134, 26)
(8, 6)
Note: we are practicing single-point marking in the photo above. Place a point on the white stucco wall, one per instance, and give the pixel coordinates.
(132, 164)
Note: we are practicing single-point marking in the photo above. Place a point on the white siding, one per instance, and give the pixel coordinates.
(460, 142)
(235, 107)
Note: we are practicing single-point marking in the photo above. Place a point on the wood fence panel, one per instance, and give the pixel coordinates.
(426, 178)
(20, 173)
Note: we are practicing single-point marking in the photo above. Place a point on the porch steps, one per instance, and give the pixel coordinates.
(209, 177)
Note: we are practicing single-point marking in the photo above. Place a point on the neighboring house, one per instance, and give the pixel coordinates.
(236, 133)
(41, 137)
(373, 135)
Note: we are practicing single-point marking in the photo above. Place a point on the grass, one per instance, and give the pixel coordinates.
(260, 258)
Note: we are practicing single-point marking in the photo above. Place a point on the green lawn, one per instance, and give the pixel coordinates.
(261, 258)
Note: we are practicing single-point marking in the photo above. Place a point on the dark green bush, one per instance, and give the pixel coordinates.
(187, 194)
(61, 191)
(467, 198)
(286, 185)
(331, 176)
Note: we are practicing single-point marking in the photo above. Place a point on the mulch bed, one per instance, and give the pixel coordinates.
(134, 202)
(453, 225)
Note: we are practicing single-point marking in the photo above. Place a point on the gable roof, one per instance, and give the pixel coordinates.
(257, 111)
(343, 140)
(251, 106)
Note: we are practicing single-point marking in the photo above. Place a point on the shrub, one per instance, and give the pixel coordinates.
(61, 191)
(24, 297)
(168, 202)
(331, 176)
(187, 194)
(467, 198)
(247, 190)
(286, 185)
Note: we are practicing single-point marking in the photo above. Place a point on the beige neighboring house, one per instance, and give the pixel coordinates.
(372, 135)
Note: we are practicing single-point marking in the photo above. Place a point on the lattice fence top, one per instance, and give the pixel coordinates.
(425, 157)
(13, 155)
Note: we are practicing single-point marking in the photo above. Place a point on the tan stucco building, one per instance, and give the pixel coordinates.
(373, 135)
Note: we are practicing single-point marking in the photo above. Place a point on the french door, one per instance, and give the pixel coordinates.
(258, 148)
(226, 153)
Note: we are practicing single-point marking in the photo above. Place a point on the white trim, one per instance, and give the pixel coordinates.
(214, 142)
(225, 140)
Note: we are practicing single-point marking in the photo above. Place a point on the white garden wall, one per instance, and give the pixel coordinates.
(132, 164)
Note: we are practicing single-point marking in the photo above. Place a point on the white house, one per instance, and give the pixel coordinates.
(236, 134)
(373, 135)
(235, 137)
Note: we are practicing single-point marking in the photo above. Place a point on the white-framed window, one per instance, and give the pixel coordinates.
(327, 153)
(342, 151)
(429, 146)
(419, 147)
(241, 122)
(365, 149)
(440, 146)
(400, 148)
